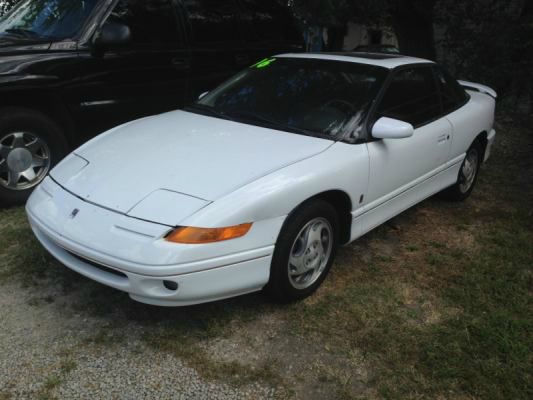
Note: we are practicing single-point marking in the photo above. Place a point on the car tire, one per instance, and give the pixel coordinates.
(30, 145)
(468, 174)
(304, 252)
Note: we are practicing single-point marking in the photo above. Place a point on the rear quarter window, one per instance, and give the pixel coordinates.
(452, 94)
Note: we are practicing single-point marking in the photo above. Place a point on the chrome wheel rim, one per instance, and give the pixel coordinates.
(310, 253)
(24, 160)
(468, 171)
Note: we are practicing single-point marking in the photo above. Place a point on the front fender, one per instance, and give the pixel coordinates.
(342, 167)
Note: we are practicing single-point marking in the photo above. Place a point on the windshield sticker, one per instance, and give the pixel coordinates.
(264, 63)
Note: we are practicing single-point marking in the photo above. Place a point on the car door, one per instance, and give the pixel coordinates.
(454, 98)
(148, 75)
(399, 166)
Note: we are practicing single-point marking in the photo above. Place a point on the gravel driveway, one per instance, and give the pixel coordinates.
(47, 351)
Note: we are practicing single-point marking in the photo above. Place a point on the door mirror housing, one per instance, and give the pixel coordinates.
(113, 34)
(389, 128)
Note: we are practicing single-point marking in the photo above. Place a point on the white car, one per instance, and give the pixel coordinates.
(257, 183)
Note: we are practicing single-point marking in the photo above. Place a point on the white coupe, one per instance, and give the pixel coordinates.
(256, 184)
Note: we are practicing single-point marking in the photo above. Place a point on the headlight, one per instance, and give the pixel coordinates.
(190, 235)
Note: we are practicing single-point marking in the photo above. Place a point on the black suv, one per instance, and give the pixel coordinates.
(70, 69)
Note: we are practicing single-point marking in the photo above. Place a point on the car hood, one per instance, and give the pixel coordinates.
(181, 153)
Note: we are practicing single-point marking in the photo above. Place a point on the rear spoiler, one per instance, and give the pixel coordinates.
(477, 87)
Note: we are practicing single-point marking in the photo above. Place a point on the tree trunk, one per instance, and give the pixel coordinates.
(413, 23)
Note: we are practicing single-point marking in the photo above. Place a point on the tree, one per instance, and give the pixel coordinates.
(412, 20)
(489, 41)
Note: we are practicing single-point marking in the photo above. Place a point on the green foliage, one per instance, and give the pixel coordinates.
(489, 41)
(339, 12)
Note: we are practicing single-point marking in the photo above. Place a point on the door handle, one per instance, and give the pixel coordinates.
(443, 138)
(180, 63)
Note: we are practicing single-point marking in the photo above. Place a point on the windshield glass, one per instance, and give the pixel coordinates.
(315, 97)
(46, 19)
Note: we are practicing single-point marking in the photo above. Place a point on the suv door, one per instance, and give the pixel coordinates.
(148, 75)
(397, 165)
(269, 28)
(216, 42)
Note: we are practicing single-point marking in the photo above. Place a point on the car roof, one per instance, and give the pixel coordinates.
(389, 61)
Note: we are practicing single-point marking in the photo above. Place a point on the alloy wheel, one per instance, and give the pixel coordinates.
(469, 171)
(24, 160)
(310, 253)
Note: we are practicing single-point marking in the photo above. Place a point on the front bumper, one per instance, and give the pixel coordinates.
(78, 244)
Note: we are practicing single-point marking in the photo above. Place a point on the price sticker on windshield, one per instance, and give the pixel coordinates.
(264, 63)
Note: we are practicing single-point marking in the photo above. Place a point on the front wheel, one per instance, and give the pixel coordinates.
(30, 145)
(304, 252)
(468, 174)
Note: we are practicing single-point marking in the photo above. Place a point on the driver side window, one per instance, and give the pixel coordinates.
(412, 96)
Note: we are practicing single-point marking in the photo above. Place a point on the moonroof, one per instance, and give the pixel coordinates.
(370, 56)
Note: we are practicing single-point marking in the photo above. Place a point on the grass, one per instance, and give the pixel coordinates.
(53, 381)
(438, 309)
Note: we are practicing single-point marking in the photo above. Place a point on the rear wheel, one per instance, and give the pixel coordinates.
(30, 144)
(468, 174)
(304, 252)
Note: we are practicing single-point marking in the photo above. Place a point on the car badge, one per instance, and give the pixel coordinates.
(74, 213)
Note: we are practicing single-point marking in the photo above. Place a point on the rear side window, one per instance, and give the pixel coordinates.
(269, 20)
(412, 96)
(212, 20)
(150, 21)
(452, 94)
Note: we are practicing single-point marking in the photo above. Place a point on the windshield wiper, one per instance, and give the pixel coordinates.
(252, 116)
(22, 32)
(27, 33)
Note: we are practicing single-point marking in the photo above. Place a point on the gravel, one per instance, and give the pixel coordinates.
(48, 350)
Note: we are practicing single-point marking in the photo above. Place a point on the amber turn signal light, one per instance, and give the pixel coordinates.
(190, 235)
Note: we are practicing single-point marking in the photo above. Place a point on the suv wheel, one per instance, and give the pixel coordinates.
(30, 144)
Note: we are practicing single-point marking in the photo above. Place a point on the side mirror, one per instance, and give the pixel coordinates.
(113, 34)
(202, 95)
(389, 128)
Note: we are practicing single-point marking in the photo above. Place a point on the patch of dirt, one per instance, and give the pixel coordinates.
(310, 370)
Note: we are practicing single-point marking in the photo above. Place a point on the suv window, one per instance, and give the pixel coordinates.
(150, 21)
(212, 20)
(412, 96)
(41, 19)
(452, 94)
(269, 20)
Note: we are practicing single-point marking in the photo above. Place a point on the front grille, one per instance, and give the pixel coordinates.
(99, 266)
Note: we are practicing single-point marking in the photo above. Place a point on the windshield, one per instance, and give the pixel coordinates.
(46, 19)
(315, 97)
